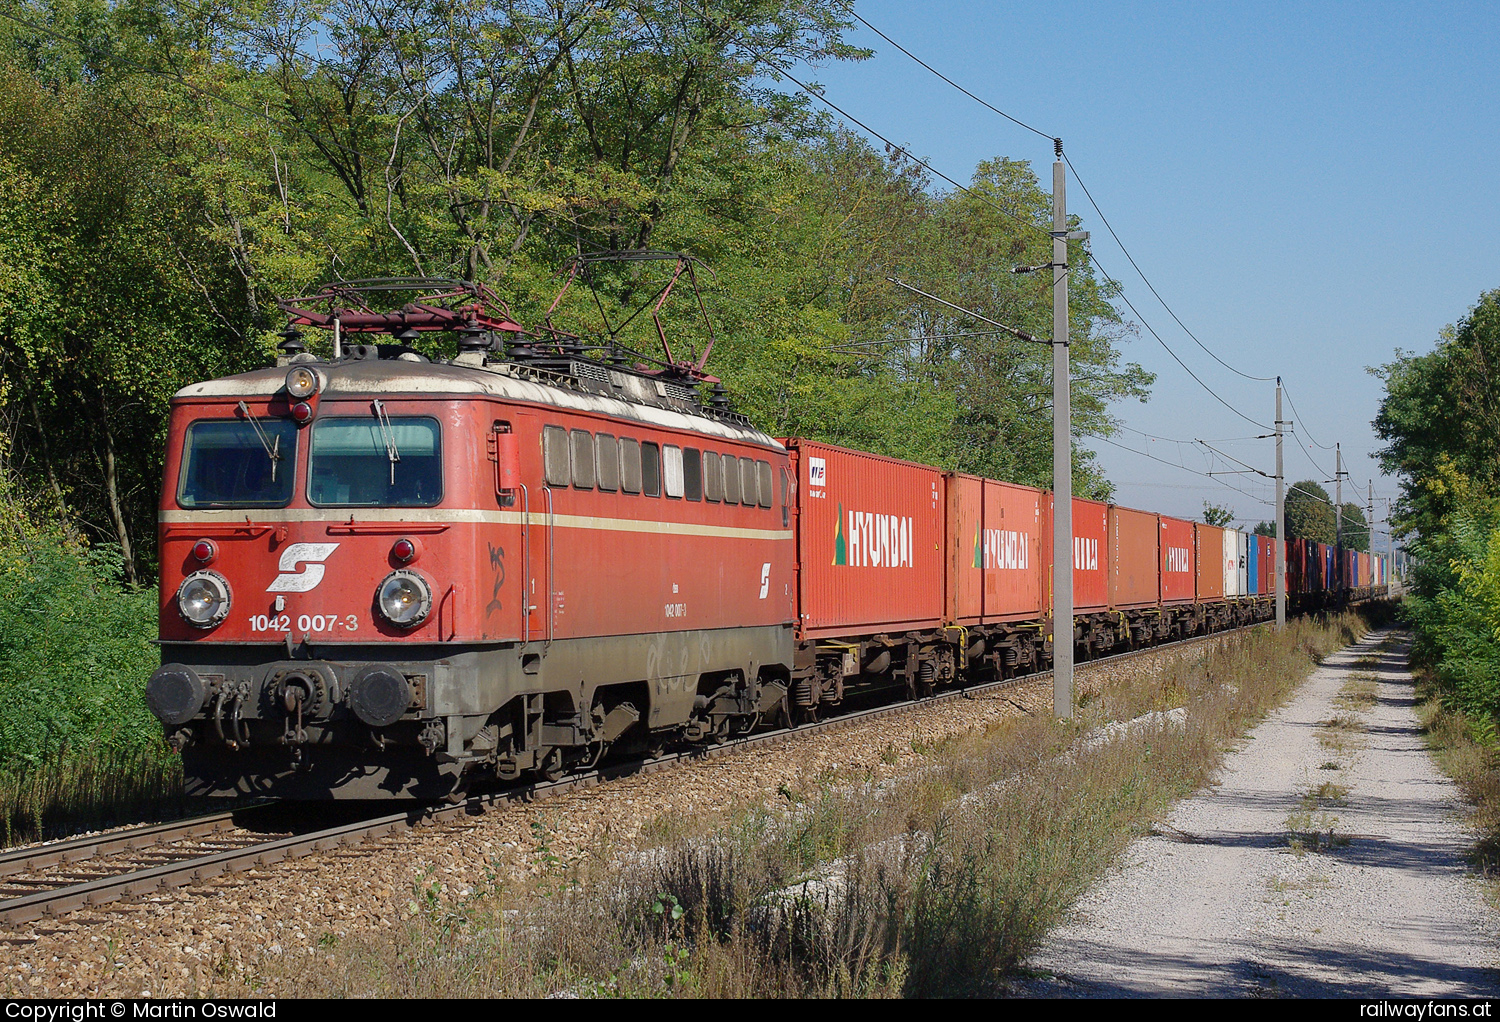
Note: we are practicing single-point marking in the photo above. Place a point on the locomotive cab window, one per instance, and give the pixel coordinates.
(229, 463)
(630, 465)
(379, 461)
(555, 455)
(609, 462)
(767, 487)
(583, 460)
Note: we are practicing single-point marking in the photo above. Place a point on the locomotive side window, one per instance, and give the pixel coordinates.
(671, 471)
(747, 482)
(555, 455)
(609, 462)
(385, 461)
(225, 463)
(583, 460)
(766, 482)
(713, 478)
(650, 469)
(731, 480)
(630, 465)
(692, 474)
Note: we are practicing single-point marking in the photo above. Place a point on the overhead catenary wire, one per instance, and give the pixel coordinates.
(1298, 416)
(986, 199)
(1087, 194)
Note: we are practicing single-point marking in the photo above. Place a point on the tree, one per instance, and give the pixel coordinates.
(1217, 514)
(1266, 529)
(1356, 531)
(1309, 512)
(1440, 418)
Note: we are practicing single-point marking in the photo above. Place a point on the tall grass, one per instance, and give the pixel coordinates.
(101, 787)
(936, 884)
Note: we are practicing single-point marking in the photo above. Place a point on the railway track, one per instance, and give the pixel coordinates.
(53, 880)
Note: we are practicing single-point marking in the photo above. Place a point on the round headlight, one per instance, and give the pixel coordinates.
(203, 599)
(404, 599)
(301, 382)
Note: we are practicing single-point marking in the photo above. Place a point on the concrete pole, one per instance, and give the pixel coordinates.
(1338, 513)
(1062, 455)
(1280, 521)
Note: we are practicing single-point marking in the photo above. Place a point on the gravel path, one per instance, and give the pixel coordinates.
(1329, 860)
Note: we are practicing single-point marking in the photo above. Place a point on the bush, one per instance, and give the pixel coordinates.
(1458, 620)
(75, 653)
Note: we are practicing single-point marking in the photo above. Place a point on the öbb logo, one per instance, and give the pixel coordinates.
(292, 581)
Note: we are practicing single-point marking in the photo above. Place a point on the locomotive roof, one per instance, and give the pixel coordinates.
(395, 377)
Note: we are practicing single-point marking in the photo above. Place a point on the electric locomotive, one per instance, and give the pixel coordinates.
(384, 574)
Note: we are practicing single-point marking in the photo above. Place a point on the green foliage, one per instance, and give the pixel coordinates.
(1441, 420)
(168, 172)
(1309, 513)
(74, 652)
(1356, 531)
(1457, 617)
(1218, 514)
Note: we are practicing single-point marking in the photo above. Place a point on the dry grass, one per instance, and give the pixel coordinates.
(936, 884)
(1469, 755)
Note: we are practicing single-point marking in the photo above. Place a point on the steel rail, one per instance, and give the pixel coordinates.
(93, 893)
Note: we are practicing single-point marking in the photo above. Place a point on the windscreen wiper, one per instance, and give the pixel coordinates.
(270, 443)
(388, 434)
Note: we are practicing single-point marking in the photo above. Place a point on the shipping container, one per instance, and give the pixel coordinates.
(994, 551)
(1242, 564)
(1210, 544)
(1090, 555)
(1252, 564)
(1135, 577)
(1179, 563)
(1364, 570)
(1267, 565)
(1229, 563)
(869, 542)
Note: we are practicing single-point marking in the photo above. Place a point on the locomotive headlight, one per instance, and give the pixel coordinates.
(404, 599)
(301, 382)
(203, 599)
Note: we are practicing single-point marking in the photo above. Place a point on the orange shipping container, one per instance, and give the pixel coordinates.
(994, 550)
(1090, 555)
(869, 542)
(1210, 542)
(1179, 563)
(1134, 558)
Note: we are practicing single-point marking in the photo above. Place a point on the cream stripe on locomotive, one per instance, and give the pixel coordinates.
(462, 516)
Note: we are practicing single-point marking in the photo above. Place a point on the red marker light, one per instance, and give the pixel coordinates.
(204, 551)
(302, 411)
(404, 550)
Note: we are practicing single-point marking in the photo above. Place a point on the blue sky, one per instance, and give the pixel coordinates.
(1309, 186)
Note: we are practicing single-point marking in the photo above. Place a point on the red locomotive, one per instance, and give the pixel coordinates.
(384, 575)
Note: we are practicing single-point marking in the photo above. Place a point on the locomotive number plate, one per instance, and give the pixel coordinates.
(306, 623)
